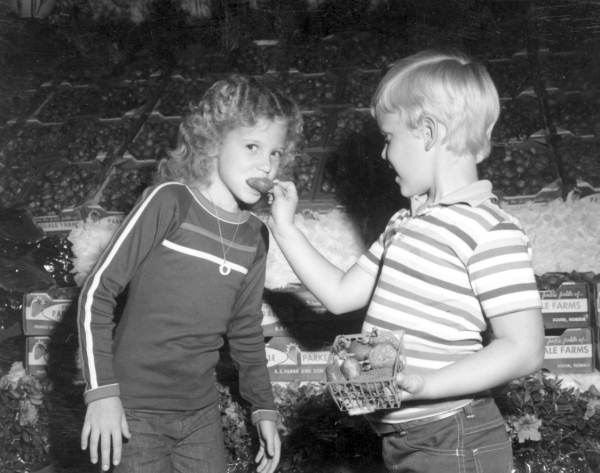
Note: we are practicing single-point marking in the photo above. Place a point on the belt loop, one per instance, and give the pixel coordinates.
(468, 409)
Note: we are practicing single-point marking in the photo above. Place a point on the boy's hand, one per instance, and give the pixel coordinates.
(105, 423)
(283, 206)
(412, 385)
(269, 452)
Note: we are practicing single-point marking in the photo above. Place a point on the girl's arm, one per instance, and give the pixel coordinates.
(338, 291)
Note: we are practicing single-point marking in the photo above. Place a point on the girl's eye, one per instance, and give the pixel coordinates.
(277, 155)
(252, 147)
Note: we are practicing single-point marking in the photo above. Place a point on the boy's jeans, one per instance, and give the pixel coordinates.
(174, 441)
(474, 440)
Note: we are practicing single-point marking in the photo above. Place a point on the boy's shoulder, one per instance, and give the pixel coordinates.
(481, 218)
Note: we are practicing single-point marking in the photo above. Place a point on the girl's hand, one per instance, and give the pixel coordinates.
(283, 205)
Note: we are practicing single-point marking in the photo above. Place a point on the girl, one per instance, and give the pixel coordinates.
(192, 258)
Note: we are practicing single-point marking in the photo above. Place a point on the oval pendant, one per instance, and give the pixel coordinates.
(224, 268)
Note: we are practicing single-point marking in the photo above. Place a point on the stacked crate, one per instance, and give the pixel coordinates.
(568, 323)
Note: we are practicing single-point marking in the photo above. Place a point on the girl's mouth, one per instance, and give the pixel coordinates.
(261, 184)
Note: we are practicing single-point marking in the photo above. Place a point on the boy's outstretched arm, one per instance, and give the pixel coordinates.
(104, 427)
(337, 290)
(516, 350)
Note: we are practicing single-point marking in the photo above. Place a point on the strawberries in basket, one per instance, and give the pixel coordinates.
(361, 370)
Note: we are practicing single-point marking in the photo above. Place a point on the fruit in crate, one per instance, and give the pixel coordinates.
(365, 357)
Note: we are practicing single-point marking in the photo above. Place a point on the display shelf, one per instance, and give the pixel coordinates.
(103, 101)
(178, 94)
(509, 75)
(309, 91)
(570, 71)
(20, 105)
(258, 57)
(351, 122)
(519, 119)
(523, 169)
(568, 22)
(93, 139)
(581, 159)
(304, 174)
(359, 87)
(317, 127)
(30, 144)
(61, 186)
(155, 137)
(314, 55)
(576, 113)
(124, 185)
(15, 181)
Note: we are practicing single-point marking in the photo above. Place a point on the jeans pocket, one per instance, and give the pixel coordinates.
(496, 458)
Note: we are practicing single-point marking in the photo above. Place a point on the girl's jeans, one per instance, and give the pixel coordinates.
(174, 442)
(474, 440)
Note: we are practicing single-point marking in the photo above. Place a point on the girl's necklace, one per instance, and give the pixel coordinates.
(224, 267)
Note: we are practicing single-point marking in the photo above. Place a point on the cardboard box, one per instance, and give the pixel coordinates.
(68, 219)
(569, 351)
(287, 361)
(567, 306)
(36, 355)
(43, 311)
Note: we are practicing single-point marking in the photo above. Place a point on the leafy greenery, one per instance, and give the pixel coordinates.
(554, 428)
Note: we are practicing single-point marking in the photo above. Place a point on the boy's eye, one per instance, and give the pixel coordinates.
(277, 155)
(252, 147)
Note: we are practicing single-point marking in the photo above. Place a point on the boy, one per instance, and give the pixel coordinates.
(442, 272)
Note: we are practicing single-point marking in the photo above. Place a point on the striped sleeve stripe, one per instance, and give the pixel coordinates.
(420, 335)
(426, 240)
(407, 271)
(508, 290)
(502, 252)
(446, 311)
(484, 220)
(492, 210)
(453, 229)
(502, 306)
(95, 282)
(518, 269)
(414, 247)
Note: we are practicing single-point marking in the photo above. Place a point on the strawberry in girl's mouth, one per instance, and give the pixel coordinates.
(261, 184)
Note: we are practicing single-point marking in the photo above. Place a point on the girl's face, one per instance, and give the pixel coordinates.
(247, 152)
(405, 151)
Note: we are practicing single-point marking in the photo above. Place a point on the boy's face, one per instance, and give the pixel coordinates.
(250, 152)
(405, 151)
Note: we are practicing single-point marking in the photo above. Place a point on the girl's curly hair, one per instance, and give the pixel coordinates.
(230, 103)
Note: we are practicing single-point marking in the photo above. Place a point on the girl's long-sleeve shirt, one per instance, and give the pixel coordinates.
(162, 353)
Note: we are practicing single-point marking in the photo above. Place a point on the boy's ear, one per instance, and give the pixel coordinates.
(431, 131)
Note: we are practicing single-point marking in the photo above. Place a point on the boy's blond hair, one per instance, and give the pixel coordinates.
(448, 87)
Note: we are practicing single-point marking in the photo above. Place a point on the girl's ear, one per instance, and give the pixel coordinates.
(431, 131)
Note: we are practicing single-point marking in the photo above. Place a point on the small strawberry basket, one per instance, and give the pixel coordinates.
(361, 370)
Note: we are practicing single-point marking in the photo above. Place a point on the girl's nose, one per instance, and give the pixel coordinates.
(266, 163)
